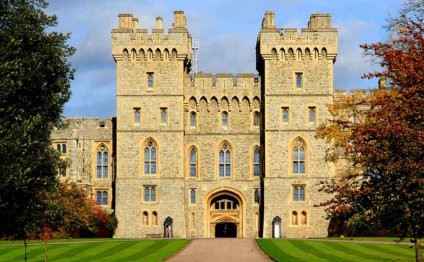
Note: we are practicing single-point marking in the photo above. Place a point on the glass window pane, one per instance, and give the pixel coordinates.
(299, 80)
(58, 148)
(302, 153)
(146, 154)
(228, 157)
(224, 119)
(150, 80)
(256, 119)
(311, 114)
(256, 170)
(104, 199)
(99, 172)
(256, 156)
(193, 119)
(193, 196)
(146, 194)
(137, 116)
(153, 150)
(295, 194)
(221, 169)
(295, 167)
(192, 170)
(228, 170)
(99, 158)
(193, 156)
(146, 167)
(153, 166)
(64, 149)
(153, 194)
(105, 172)
(302, 167)
(285, 115)
(98, 197)
(295, 154)
(221, 157)
(105, 159)
(163, 116)
(302, 194)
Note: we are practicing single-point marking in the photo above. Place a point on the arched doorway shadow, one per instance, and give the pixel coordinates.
(224, 213)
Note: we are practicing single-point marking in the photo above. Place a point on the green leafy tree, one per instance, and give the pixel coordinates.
(381, 137)
(35, 76)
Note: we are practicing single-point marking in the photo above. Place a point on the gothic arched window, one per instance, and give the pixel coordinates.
(299, 157)
(150, 158)
(193, 162)
(256, 163)
(102, 162)
(224, 161)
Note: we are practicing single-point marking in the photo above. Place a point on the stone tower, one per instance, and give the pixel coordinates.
(151, 69)
(297, 84)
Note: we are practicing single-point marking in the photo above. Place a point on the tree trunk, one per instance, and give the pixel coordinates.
(25, 244)
(418, 252)
(45, 251)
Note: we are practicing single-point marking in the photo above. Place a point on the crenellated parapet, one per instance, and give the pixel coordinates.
(132, 43)
(316, 42)
(231, 89)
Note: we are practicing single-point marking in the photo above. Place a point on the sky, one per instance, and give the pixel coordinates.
(226, 30)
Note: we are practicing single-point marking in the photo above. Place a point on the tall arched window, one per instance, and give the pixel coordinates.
(102, 162)
(63, 148)
(193, 119)
(256, 163)
(150, 158)
(193, 162)
(224, 161)
(99, 197)
(58, 148)
(224, 119)
(299, 157)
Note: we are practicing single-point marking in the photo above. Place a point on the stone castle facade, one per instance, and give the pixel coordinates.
(211, 155)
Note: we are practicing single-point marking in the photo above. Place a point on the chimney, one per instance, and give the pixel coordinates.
(159, 23)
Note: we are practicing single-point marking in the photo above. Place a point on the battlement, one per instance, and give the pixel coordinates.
(218, 85)
(319, 41)
(87, 123)
(128, 40)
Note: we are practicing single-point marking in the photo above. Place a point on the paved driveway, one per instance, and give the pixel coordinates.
(221, 249)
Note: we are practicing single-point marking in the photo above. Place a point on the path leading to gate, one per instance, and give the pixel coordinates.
(221, 250)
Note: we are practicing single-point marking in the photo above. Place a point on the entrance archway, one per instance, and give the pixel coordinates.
(226, 230)
(224, 213)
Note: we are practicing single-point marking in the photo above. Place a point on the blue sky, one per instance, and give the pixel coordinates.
(227, 32)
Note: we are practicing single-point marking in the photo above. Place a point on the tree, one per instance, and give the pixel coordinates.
(35, 79)
(382, 138)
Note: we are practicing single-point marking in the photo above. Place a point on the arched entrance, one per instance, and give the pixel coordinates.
(224, 213)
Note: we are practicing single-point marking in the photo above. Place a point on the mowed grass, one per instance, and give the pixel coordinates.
(313, 250)
(113, 250)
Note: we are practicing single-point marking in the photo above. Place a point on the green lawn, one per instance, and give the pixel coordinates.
(313, 250)
(94, 250)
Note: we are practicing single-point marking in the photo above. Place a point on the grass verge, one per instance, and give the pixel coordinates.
(94, 250)
(307, 250)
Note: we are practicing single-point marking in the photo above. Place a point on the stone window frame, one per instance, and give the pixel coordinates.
(145, 218)
(96, 146)
(304, 218)
(143, 145)
(291, 146)
(283, 108)
(163, 109)
(230, 148)
(252, 161)
(149, 200)
(189, 164)
(227, 125)
(294, 218)
(308, 116)
(102, 190)
(190, 113)
(295, 81)
(61, 147)
(292, 195)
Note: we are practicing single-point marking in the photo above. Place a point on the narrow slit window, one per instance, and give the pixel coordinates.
(164, 115)
(285, 113)
(312, 114)
(150, 80)
(299, 80)
(193, 119)
(136, 115)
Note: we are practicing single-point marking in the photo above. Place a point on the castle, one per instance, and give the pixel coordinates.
(202, 155)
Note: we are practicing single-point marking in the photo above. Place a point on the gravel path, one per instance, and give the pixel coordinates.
(221, 250)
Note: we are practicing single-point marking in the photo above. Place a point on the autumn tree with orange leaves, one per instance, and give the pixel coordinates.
(380, 138)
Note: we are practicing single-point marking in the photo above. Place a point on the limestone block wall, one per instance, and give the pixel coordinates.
(82, 138)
